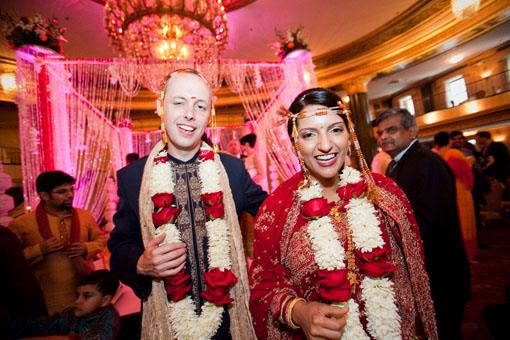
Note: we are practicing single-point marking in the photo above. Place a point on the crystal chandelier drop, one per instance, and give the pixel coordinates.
(167, 29)
(463, 9)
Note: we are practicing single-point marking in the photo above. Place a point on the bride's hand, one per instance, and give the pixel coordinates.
(320, 321)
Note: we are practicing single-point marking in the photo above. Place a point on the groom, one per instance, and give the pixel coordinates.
(140, 257)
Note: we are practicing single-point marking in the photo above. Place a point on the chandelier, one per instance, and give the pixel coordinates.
(463, 9)
(167, 29)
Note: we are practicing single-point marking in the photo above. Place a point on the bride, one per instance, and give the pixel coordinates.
(337, 252)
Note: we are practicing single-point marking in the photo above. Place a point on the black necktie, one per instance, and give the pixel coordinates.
(391, 167)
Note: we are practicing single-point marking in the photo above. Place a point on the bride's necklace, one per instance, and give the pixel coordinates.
(219, 278)
(366, 254)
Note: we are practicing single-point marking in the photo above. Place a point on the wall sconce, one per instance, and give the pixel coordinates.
(8, 82)
(486, 74)
(463, 9)
(454, 59)
(346, 99)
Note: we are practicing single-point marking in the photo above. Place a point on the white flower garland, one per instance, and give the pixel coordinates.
(378, 295)
(186, 323)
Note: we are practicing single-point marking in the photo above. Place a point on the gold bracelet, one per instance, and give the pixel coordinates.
(282, 308)
(288, 313)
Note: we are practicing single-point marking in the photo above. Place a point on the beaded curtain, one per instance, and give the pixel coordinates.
(70, 111)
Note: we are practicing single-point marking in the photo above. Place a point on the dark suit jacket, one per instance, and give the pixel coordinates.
(500, 169)
(125, 242)
(20, 292)
(429, 185)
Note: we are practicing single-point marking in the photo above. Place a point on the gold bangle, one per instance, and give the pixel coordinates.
(282, 308)
(288, 314)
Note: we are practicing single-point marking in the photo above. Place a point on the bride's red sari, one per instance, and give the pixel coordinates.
(284, 261)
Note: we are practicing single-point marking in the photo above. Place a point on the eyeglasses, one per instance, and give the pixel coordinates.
(63, 191)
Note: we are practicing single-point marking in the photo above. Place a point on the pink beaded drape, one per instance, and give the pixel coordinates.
(70, 111)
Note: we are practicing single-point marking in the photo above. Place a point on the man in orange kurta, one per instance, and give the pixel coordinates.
(59, 241)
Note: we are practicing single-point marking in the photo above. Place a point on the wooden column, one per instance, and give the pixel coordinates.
(360, 113)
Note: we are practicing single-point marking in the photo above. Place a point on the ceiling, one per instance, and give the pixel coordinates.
(402, 79)
(329, 26)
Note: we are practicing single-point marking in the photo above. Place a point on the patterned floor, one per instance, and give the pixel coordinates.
(489, 275)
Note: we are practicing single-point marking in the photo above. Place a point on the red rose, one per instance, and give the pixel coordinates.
(212, 198)
(165, 215)
(218, 286)
(333, 285)
(162, 199)
(43, 37)
(373, 255)
(214, 211)
(177, 286)
(352, 190)
(206, 155)
(316, 207)
(220, 278)
(290, 45)
(376, 269)
(218, 296)
(161, 159)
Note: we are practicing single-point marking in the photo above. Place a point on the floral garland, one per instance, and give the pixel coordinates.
(219, 278)
(366, 249)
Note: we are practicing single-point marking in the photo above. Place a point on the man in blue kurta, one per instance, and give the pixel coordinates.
(142, 261)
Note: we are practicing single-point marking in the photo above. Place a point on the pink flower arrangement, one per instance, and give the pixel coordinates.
(35, 30)
(289, 42)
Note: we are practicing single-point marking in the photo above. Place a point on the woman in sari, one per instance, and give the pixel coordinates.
(337, 252)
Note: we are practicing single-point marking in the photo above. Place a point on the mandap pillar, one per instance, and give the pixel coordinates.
(360, 113)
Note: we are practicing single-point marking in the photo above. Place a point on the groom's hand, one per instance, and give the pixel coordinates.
(161, 260)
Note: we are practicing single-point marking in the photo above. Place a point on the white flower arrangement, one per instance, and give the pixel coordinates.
(362, 218)
(160, 181)
(313, 191)
(209, 177)
(383, 320)
(189, 326)
(218, 236)
(329, 253)
(171, 232)
(353, 327)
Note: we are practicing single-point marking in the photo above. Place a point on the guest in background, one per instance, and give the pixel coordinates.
(93, 317)
(497, 158)
(481, 185)
(464, 181)
(131, 157)
(59, 241)
(252, 161)
(429, 184)
(234, 148)
(380, 162)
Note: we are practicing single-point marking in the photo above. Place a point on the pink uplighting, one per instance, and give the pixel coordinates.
(68, 120)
